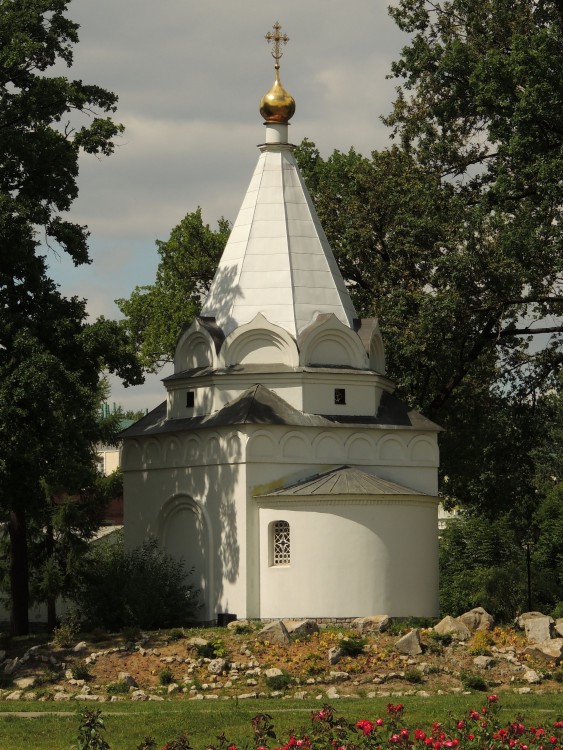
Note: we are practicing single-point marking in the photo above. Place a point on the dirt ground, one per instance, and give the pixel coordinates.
(179, 664)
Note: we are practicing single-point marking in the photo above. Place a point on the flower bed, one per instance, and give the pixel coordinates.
(478, 730)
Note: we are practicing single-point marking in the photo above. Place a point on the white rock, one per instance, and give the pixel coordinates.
(531, 676)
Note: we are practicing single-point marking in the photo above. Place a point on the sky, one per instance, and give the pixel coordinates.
(189, 76)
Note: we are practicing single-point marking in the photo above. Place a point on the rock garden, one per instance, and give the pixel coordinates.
(371, 657)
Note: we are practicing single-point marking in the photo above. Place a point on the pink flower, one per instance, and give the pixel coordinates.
(379, 722)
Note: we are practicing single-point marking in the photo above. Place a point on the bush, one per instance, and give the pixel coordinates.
(480, 644)
(472, 681)
(279, 681)
(64, 635)
(166, 677)
(175, 634)
(211, 650)
(80, 672)
(144, 587)
(352, 645)
(117, 688)
(414, 676)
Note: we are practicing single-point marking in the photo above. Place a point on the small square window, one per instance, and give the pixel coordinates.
(190, 399)
(339, 395)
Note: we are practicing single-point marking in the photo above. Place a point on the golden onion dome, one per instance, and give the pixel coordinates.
(277, 105)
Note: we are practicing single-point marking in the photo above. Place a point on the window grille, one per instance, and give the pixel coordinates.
(281, 544)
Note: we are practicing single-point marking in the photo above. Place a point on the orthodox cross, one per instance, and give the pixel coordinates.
(276, 38)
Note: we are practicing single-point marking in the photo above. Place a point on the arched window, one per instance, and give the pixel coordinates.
(280, 543)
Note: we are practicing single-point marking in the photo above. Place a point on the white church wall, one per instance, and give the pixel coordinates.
(196, 511)
(351, 559)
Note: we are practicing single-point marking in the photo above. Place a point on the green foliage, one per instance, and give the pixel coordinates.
(155, 314)
(90, 732)
(414, 675)
(480, 644)
(176, 634)
(117, 688)
(352, 645)
(472, 681)
(279, 681)
(65, 635)
(80, 671)
(143, 587)
(213, 649)
(50, 356)
(166, 676)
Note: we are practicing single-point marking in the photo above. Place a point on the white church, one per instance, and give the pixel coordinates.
(281, 467)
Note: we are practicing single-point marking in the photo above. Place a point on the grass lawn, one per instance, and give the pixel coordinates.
(128, 723)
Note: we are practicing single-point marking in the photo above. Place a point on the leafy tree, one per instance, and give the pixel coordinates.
(50, 357)
(155, 315)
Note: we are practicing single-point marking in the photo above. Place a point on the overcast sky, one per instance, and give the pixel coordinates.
(189, 76)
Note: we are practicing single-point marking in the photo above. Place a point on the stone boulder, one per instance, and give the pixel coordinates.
(520, 621)
(558, 627)
(550, 650)
(477, 619)
(127, 679)
(371, 624)
(334, 655)
(301, 628)
(538, 629)
(274, 632)
(410, 643)
(450, 626)
(217, 666)
(272, 672)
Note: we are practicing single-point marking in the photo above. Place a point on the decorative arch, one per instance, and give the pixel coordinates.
(131, 455)
(196, 347)
(262, 447)
(184, 524)
(359, 449)
(192, 450)
(329, 342)
(392, 449)
(377, 353)
(294, 445)
(259, 342)
(172, 451)
(422, 451)
(326, 447)
(152, 453)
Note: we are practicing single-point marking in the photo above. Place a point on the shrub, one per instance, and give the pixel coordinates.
(64, 635)
(211, 650)
(117, 688)
(279, 681)
(131, 633)
(90, 731)
(166, 677)
(557, 675)
(80, 671)
(472, 681)
(414, 676)
(175, 634)
(144, 587)
(480, 643)
(352, 645)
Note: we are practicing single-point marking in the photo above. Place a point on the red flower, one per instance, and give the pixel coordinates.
(379, 722)
(492, 698)
(366, 726)
(419, 734)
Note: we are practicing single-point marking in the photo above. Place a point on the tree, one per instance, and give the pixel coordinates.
(50, 357)
(155, 315)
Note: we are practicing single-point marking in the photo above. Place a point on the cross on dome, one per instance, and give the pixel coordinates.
(276, 38)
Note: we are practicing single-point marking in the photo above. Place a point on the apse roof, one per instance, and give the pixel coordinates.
(344, 480)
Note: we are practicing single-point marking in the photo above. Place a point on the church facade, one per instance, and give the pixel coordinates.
(281, 467)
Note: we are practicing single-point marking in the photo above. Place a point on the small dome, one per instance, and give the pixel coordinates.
(277, 105)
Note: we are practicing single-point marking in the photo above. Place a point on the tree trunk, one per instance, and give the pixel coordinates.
(51, 599)
(19, 581)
